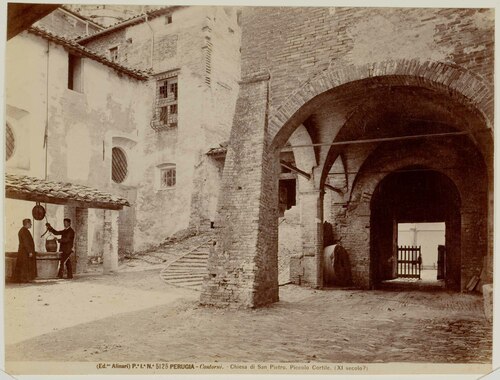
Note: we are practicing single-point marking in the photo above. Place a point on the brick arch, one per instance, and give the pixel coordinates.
(460, 83)
(381, 163)
(461, 166)
(305, 158)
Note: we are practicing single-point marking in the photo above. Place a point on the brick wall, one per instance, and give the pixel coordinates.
(243, 271)
(66, 24)
(296, 43)
(333, 70)
(353, 216)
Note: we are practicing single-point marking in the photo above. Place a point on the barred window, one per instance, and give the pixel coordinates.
(173, 89)
(166, 107)
(10, 142)
(118, 165)
(167, 177)
(164, 115)
(163, 89)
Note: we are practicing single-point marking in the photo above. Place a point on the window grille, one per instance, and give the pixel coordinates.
(173, 89)
(167, 177)
(119, 165)
(163, 89)
(10, 143)
(166, 110)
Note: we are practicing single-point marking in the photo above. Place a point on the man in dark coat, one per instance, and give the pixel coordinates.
(66, 247)
(26, 258)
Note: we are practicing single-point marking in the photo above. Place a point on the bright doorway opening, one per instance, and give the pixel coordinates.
(430, 237)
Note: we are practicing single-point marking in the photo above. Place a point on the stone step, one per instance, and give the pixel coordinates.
(186, 281)
(189, 270)
(182, 276)
(192, 259)
(191, 265)
(186, 270)
(195, 254)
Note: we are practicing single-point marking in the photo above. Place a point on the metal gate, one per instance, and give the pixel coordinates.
(409, 261)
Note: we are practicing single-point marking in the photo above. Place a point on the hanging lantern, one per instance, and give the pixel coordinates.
(38, 211)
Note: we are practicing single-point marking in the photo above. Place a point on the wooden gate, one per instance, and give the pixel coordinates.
(409, 261)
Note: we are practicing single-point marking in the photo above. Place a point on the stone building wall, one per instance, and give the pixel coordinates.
(201, 45)
(82, 126)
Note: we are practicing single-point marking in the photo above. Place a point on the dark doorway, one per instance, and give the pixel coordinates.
(414, 195)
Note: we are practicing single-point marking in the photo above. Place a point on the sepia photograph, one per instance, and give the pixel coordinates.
(248, 189)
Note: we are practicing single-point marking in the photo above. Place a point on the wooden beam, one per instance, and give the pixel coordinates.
(330, 187)
(385, 139)
(31, 197)
(307, 175)
(295, 169)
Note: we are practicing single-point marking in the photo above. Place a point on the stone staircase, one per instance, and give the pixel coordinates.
(188, 270)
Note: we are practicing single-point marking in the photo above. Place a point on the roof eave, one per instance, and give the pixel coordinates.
(132, 21)
(73, 47)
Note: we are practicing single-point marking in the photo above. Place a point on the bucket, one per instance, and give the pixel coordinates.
(51, 245)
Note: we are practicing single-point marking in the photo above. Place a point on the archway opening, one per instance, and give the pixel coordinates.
(415, 195)
(427, 241)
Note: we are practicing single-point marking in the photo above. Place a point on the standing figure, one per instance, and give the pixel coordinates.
(66, 240)
(26, 258)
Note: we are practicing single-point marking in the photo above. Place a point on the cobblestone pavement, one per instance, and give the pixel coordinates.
(305, 326)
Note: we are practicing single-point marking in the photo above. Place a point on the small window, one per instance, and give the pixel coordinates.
(118, 165)
(167, 177)
(113, 54)
(168, 19)
(75, 73)
(10, 143)
(173, 109)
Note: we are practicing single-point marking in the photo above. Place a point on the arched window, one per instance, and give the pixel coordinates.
(118, 165)
(10, 143)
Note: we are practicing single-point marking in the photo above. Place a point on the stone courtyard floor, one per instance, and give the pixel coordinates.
(134, 316)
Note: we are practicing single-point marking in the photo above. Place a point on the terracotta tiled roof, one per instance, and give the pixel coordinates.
(217, 151)
(131, 21)
(78, 14)
(221, 150)
(40, 190)
(75, 47)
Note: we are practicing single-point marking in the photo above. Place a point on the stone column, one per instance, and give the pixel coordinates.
(311, 218)
(243, 268)
(110, 241)
(81, 238)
